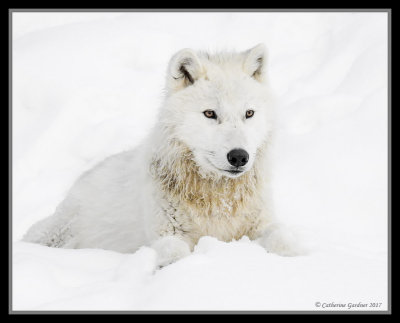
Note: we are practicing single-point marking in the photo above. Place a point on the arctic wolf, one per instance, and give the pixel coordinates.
(203, 170)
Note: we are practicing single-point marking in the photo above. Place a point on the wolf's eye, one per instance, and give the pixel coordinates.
(249, 113)
(210, 114)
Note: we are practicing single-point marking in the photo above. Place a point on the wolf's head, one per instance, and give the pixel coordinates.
(219, 107)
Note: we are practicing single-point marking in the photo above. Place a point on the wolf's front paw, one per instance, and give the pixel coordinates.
(281, 240)
(170, 249)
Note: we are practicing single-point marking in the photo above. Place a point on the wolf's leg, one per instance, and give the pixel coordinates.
(280, 240)
(53, 231)
(170, 249)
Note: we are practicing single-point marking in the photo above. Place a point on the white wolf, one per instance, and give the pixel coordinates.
(203, 170)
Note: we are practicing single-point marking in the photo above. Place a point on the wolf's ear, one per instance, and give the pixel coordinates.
(183, 70)
(255, 61)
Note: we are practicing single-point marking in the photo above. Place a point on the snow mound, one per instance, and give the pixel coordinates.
(239, 275)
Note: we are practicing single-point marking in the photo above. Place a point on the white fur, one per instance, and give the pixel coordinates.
(174, 187)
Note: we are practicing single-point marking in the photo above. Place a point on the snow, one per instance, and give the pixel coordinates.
(87, 85)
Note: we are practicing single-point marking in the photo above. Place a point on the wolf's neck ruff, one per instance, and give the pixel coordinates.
(183, 184)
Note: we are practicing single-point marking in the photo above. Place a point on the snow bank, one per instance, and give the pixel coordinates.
(218, 276)
(86, 86)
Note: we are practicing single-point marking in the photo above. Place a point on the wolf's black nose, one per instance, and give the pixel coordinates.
(238, 157)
